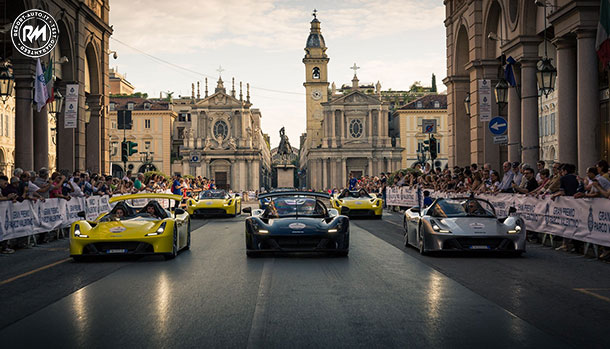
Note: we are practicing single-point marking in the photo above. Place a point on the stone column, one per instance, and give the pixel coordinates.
(233, 175)
(369, 118)
(343, 173)
(256, 183)
(529, 113)
(24, 119)
(370, 166)
(41, 137)
(514, 121)
(324, 181)
(65, 139)
(94, 134)
(588, 102)
(250, 179)
(566, 102)
(333, 132)
(341, 127)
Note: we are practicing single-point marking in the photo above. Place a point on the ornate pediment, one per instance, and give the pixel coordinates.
(356, 97)
(220, 100)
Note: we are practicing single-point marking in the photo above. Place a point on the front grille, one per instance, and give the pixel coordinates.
(357, 213)
(297, 243)
(130, 246)
(467, 242)
(210, 211)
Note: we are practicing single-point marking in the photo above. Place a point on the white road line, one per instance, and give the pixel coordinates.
(256, 337)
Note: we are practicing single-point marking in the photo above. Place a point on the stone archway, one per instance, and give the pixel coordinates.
(460, 123)
(93, 109)
(65, 148)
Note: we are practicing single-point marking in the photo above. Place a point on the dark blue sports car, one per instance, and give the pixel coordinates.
(296, 222)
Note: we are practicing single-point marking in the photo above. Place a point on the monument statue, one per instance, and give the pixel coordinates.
(284, 150)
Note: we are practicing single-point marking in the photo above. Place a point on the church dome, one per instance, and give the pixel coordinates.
(315, 38)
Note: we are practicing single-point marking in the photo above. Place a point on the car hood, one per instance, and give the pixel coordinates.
(124, 228)
(472, 225)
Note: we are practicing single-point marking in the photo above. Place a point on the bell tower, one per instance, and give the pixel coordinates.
(316, 81)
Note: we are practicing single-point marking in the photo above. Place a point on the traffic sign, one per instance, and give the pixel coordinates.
(194, 158)
(428, 126)
(498, 125)
(503, 139)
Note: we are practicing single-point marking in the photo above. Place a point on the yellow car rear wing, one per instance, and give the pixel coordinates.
(146, 196)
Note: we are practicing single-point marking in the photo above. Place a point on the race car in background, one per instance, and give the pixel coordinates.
(263, 202)
(215, 202)
(358, 203)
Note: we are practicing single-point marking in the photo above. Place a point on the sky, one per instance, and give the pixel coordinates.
(166, 46)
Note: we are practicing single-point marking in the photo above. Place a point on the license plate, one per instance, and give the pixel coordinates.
(358, 202)
(298, 232)
(479, 247)
(116, 250)
(209, 203)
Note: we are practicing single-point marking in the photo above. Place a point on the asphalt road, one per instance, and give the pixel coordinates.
(382, 295)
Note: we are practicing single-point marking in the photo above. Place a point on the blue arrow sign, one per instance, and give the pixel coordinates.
(498, 125)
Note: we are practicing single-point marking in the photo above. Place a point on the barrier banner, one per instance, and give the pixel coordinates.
(586, 220)
(50, 214)
(20, 220)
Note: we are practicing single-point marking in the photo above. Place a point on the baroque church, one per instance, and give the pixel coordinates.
(346, 133)
(220, 137)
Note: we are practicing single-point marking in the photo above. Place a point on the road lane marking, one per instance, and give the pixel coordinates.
(4, 282)
(590, 292)
(256, 337)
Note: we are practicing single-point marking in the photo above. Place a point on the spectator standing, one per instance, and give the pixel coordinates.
(530, 182)
(540, 166)
(507, 180)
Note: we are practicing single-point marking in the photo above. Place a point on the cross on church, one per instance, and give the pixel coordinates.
(220, 70)
(314, 13)
(354, 68)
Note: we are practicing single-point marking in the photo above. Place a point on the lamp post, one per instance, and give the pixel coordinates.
(57, 104)
(467, 104)
(7, 81)
(546, 73)
(501, 91)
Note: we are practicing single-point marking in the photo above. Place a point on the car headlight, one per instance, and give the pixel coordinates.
(263, 231)
(228, 203)
(333, 230)
(438, 229)
(159, 230)
(77, 232)
(517, 230)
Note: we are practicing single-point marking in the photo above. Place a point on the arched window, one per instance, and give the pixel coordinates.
(221, 129)
(316, 73)
(355, 128)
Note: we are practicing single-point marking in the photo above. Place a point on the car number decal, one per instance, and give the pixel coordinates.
(298, 232)
(296, 226)
(358, 202)
(209, 203)
(117, 229)
(477, 225)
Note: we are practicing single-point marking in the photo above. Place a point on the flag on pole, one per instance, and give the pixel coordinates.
(41, 95)
(602, 42)
(48, 78)
(509, 74)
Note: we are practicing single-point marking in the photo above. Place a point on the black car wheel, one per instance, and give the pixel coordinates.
(188, 237)
(422, 248)
(79, 259)
(406, 228)
(174, 252)
(342, 253)
(252, 254)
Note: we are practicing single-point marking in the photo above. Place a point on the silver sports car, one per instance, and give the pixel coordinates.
(463, 224)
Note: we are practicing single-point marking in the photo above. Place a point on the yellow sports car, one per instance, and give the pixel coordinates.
(214, 202)
(358, 203)
(140, 227)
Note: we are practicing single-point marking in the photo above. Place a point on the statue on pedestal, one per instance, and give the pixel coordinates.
(284, 150)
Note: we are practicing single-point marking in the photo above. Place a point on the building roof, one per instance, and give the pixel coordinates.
(427, 102)
(155, 104)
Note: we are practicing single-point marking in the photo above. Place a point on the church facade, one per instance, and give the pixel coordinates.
(346, 133)
(222, 139)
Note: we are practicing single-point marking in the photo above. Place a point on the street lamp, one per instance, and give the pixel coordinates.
(7, 81)
(57, 104)
(546, 75)
(467, 104)
(501, 91)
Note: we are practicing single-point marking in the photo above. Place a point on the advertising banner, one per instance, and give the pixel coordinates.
(71, 106)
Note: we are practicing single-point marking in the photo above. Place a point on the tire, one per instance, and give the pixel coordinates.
(378, 217)
(342, 253)
(174, 252)
(406, 228)
(252, 254)
(79, 259)
(188, 237)
(421, 245)
(516, 254)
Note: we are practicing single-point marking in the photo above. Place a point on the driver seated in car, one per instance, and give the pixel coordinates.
(474, 208)
(151, 210)
(271, 210)
(119, 213)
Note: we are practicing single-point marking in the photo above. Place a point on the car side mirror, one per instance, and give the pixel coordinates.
(512, 210)
(333, 212)
(247, 210)
(237, 195)
(178, 211)
(415, 209)
(82, 214)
